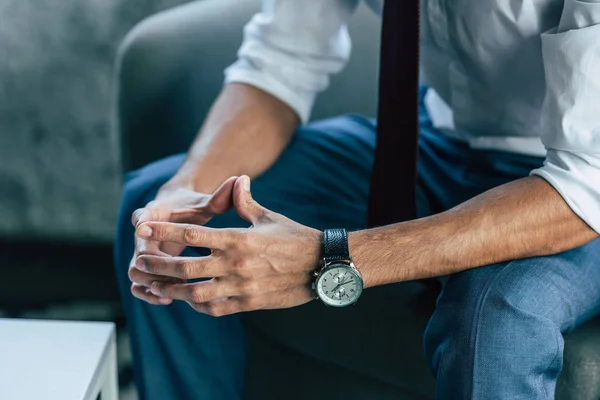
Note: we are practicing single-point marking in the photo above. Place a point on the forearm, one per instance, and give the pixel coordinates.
(521, 219)
(244, 133)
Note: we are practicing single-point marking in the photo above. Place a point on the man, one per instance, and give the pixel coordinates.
(508, 195)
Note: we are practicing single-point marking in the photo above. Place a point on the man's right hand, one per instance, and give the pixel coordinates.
(173, 203)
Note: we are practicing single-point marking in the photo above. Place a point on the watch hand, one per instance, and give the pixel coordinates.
(336, 288)
(346, 282)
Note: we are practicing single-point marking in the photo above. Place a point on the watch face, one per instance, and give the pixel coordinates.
(339, 285)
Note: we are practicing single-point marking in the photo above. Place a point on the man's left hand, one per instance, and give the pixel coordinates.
(266, 266)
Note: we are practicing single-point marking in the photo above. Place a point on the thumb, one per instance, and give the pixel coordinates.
(222, 200)
(245, 205)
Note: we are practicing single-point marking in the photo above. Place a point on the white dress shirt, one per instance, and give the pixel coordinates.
(520, 76)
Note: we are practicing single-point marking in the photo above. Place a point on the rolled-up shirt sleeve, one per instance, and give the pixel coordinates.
(571, 114)
(291, 47)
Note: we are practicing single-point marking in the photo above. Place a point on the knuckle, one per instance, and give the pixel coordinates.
(214, 310)
(197, 296)
(240, 265)
(242, 240)
(184, 269)
(191, 235)
(159, 232)
(249, 202)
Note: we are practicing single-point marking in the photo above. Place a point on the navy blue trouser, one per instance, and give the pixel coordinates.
(496, 330)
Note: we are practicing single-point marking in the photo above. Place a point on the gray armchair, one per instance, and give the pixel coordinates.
(169, 71)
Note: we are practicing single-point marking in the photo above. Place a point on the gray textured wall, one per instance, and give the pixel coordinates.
(58, 164)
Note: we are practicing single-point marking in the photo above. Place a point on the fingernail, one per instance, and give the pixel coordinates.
(246, 183)
(144, 231)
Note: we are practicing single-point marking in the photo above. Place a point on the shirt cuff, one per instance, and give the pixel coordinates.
(577, 182)
(300, 102)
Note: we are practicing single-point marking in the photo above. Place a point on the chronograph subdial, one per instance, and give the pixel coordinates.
(339, 293)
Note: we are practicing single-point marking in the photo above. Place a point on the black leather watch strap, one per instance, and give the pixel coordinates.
(335, 245)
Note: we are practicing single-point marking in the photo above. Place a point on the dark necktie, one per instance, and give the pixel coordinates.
(393, 183)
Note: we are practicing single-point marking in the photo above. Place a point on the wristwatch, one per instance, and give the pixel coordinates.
(337, 283)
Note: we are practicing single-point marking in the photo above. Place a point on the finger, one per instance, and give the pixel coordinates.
(181, 267)
(230, 305)
(198, 292)
(172, 249)
(233, 305)
(143, 246)
(143, 293)
(222, 200)
(245, 205)
(137, 215)
(152, 212)
(187, 234)
(145, 279)
(219, 307)
(165, 249)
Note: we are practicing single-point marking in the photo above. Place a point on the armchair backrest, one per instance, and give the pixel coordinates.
(170, 69)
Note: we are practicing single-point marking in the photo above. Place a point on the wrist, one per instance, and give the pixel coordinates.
(356, 241)
(317, 256)
(338, 283)
(173, 185)
(189, 182)
(375, 255)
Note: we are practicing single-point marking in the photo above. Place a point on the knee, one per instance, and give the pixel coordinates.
(496, 313)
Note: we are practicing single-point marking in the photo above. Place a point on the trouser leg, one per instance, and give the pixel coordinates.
(497, 330)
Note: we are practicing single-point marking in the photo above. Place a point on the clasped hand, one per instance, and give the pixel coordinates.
(266, 266)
